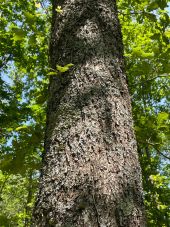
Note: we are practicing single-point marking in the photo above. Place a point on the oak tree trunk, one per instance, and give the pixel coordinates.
(91, 175)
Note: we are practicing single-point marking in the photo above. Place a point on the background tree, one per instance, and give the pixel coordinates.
(23, 94)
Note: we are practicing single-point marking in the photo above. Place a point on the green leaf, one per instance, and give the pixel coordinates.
(9, 129)
(37, 5)
(65, 68)
(150, 16)
(155, 36)
(163, 116)
(162, 3)
(58, 9)
(18, 34)
(152, 6)
(30, 18)
(52, 74)
(21, 127)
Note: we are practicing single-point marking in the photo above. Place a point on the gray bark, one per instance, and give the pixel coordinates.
(91, 175)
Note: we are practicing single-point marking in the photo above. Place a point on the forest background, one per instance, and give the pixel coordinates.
(24, 38)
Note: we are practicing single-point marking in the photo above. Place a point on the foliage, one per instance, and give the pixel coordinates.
(23, 94)
(16, 198)
(24, 36)
(145, 26)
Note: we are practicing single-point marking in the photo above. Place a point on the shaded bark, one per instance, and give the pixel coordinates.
(91, 175)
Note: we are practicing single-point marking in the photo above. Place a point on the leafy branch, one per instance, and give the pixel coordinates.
(60, 69)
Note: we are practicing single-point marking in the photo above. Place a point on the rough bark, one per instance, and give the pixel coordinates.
(91, 175)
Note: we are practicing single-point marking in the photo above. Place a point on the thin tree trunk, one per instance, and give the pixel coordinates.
(91, 175)
(29, 199)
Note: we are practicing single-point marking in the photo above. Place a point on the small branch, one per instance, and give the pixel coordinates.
(165, 156)
(5, 61)
(156, 77)
(158, 151)
(131, 13)
(145, 81)
(44, 8)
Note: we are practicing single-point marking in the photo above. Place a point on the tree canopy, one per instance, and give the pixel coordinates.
(24, 38)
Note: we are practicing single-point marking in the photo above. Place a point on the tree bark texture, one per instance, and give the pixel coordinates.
(91, 175)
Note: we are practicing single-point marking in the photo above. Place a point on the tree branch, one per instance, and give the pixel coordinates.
(157, 150)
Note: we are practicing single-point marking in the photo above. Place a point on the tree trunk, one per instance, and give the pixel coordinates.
(91, 175)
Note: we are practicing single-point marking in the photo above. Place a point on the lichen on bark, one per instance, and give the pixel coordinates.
(91, 174)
